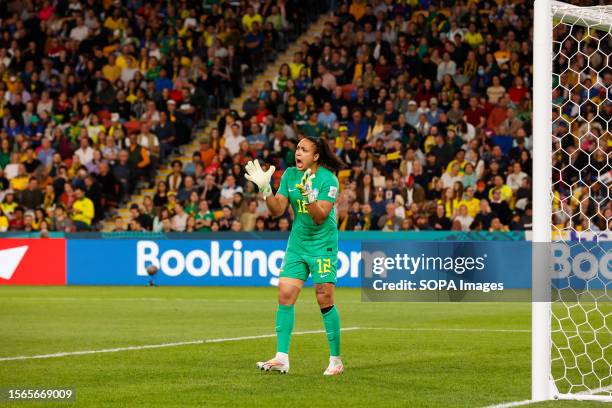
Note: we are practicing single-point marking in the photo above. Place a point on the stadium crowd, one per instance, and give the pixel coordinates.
(428, 103)
(428, 106)
(95, 95)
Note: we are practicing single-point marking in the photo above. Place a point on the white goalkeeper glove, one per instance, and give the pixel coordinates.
(261, 178)
(305, 187)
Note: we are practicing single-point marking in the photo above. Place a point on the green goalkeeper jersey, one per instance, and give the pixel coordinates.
(306, 236)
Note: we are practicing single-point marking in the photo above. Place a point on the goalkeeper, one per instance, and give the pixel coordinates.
(311, 188)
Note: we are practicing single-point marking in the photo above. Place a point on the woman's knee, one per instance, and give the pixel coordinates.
(286, 297)
(325, 295)
(287, 294)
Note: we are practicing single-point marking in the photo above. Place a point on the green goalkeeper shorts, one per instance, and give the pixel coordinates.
(299, 266)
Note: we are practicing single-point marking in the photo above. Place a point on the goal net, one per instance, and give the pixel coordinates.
(572, 338)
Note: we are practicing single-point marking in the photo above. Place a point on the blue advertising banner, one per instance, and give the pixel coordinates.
(257, 262)
(191, 262)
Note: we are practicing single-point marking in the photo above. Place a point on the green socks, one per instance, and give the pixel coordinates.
(331, 320)
(284, 326)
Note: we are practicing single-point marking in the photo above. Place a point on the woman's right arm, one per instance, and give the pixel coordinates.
(277, 204)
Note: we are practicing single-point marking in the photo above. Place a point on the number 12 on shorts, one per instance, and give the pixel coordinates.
(324, 265)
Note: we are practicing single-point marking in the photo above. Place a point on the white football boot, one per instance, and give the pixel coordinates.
(279, 363)
(335, 366)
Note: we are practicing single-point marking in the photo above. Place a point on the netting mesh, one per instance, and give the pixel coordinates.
(582, 209)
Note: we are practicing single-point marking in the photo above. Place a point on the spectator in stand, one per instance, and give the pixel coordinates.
(32, 197)
(4, 221)
(82, 212)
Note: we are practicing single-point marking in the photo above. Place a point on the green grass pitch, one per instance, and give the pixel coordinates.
(422, 355)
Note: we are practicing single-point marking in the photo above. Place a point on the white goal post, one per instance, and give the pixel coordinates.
(567, 362)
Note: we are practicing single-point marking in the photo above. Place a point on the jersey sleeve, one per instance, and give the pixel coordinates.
(329, 189)
(283, 189)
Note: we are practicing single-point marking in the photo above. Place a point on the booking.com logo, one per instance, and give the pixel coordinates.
(586, 263)
(234, 262)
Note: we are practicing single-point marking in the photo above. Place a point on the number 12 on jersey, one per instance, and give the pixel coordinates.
(324, 265)
(301, 205)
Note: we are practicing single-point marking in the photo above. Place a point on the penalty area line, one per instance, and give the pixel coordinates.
(449, 329)
(161, 345)
(596, 391)
(512, 404)
(577, 396)
(242, 338)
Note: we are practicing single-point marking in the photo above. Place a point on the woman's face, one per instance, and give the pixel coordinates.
(305, 155)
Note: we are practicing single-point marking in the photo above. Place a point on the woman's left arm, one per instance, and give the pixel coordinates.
(319, 210)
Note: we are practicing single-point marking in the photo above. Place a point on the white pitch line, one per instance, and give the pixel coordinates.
(527, 402)
(450, 329)
(596, 391)
(512, 404)
(263, 336)
(156, 346)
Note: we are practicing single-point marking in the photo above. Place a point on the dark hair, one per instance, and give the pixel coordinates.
(327, 158)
